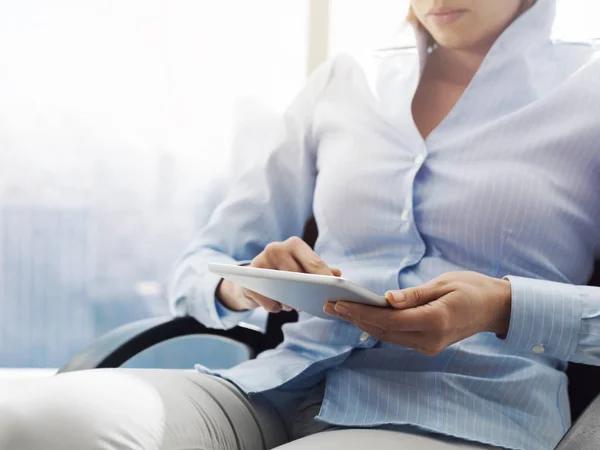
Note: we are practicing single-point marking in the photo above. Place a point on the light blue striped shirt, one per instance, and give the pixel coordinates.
(507, 185)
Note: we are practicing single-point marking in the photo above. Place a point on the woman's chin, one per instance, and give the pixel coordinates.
(455, 41)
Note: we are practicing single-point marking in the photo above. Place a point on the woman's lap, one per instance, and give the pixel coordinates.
(362, 439)
(136, 409)
(165, 410)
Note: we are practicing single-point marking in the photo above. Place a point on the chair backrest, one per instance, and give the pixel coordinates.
(584, 384)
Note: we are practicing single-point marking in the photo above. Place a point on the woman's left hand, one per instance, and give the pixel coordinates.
(430, 317)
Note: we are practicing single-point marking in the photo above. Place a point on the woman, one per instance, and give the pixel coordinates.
(462, 181)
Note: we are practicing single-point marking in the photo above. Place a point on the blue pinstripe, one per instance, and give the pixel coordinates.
(507, 185)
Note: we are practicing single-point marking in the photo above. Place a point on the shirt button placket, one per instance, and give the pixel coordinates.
(406, 212)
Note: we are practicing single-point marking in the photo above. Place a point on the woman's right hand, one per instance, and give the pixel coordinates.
(293, 255)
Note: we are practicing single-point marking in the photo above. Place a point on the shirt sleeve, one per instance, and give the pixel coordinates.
(270, 201)
(555, 319)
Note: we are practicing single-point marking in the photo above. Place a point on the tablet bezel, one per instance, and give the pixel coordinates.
(369, 298)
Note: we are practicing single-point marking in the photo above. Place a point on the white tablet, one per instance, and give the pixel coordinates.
(302, 291)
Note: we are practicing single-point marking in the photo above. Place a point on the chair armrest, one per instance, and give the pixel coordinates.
(123, 343)
(585, 432)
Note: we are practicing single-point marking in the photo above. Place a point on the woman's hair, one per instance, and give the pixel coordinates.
(412, 19)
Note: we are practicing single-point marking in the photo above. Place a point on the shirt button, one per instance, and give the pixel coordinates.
(404, 215)
(538, 348)
(364, 337)
(419, 160)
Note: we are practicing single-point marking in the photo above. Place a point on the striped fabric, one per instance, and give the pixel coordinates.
(508, 185)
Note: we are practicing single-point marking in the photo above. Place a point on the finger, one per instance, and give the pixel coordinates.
(420, 341)
(285, 261)
(415, 319)
(410, 339)
(418, 295)
(336, 272)
(416, 340)
(277, 256)
(355, 312)
(329, 308)
(267, 303)
(271, 305)
(309, 260)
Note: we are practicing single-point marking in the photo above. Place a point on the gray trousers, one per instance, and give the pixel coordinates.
(167, 410)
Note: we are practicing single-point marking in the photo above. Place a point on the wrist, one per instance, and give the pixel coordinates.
(229, 295)
(501, 313)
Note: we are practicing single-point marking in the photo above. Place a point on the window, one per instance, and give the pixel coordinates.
(115, 124)
(577, 20)
(361, 25)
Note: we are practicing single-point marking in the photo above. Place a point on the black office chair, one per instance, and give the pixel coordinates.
(122, 344)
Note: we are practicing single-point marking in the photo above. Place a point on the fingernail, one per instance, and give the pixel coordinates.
(341, 309)
(329, 309)
(395, 296)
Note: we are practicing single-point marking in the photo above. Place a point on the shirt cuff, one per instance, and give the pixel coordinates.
(545, 317)
(194, 294)
(228, 317)
(220, 316)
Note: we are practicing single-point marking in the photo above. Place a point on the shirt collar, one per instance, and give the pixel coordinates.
(532, 29)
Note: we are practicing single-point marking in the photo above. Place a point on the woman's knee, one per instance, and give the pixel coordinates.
(104, 410)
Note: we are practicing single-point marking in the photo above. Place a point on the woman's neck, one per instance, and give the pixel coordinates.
(459, 66)
(456, 66)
